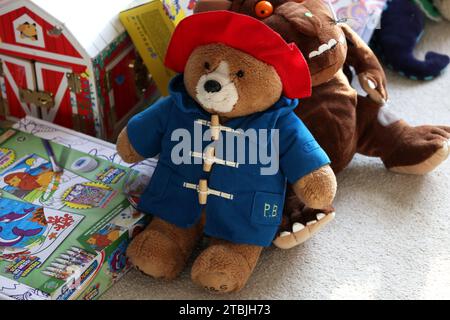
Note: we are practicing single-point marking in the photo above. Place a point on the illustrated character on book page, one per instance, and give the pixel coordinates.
(32, 180)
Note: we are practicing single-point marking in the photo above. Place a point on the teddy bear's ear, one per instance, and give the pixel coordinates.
(212, 5)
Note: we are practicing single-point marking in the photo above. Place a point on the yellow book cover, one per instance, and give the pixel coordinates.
(150, 26)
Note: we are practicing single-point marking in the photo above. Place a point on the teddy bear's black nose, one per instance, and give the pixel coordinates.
(212, 86)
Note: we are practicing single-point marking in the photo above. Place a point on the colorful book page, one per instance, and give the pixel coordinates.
(18, 291)
(21, 224)
(32, 180)
(36, 249)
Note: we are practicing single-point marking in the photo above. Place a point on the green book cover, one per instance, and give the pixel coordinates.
(62, 235)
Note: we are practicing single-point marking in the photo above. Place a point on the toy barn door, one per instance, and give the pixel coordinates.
(17, 76)
(123, 94)
(53, 79)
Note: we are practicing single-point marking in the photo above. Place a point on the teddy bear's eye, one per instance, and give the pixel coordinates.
(207, 66)
(240, 74)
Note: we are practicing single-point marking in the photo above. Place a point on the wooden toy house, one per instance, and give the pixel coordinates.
(70, 63)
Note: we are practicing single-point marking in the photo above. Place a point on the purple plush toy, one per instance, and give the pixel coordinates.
(402, 26)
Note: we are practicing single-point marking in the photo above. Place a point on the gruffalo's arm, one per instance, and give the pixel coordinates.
(369, 70)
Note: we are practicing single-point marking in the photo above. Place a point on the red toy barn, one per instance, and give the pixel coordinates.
(70, 64)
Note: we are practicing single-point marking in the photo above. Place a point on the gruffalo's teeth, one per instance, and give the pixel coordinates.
(313, 54)
(297, 227)
(323, 48)
(332, 43)
(285, 234)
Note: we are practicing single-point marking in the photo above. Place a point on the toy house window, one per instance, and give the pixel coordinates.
(27, 31)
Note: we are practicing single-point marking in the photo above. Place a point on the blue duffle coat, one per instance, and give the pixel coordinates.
(251, 211)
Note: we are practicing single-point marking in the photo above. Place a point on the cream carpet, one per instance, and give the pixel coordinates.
(391, 235)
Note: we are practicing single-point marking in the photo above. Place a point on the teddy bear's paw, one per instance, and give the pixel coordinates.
(303, 229)
(430, 149)
(126, 150)
(224, 268)
(156, 255)
(217, 282)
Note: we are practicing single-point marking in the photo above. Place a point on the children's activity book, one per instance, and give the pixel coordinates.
(63, 235)
(150, 24)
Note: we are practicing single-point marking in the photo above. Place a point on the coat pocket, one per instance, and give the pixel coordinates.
(267, 208)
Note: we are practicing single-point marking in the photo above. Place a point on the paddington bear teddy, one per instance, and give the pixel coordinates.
(233, 102)
(350, 123)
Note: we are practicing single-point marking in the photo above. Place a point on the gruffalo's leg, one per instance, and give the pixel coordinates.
(162, 249)
(224, 266)
(401, 147)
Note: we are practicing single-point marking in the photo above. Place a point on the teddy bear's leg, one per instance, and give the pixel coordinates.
(224, 266)
(300, 223)
(162, 249)
(401, 147)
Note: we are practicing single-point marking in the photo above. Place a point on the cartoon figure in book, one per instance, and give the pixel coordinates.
(88, 195)
(28, 182)
(105, 237)
(118, 262)
(21, 224)
(32, 180)
(28, 230)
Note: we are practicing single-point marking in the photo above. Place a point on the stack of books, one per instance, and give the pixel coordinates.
(65, 220)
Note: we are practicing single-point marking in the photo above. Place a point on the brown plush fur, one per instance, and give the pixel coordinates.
(350, 123)
(312, 189)
(163, 249)
(224, 266)
(252, 98)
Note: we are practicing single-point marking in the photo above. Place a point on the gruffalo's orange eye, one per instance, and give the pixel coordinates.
(264, 9)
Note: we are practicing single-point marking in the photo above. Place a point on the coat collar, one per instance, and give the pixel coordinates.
(187, 104)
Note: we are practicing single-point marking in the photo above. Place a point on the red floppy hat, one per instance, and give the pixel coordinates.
(246, 34)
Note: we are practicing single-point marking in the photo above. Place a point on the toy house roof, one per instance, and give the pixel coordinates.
(93, 23)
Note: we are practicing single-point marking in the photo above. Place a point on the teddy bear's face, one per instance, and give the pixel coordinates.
(229, 82)
(307, 23)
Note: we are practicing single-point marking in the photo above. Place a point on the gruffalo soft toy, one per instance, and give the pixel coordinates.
(228, 140)
(343, 122)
